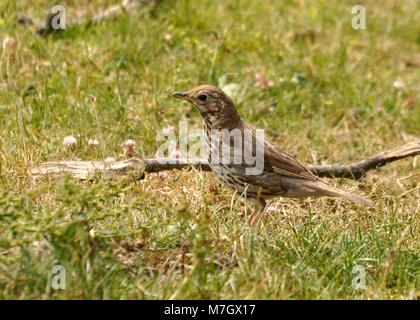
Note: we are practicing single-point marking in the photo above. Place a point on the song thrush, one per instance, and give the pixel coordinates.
(229, 138)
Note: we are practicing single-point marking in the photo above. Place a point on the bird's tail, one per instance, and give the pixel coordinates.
(330, 191)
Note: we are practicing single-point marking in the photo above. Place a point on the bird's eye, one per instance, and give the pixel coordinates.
(202, 97)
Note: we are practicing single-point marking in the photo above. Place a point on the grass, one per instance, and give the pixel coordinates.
(181, 234)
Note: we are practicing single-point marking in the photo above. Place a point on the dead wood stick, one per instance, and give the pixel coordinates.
(357, 170)
(84, 170)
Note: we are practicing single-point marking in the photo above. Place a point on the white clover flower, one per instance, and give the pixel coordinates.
(69, 142)
(92, 233)
(167, 37)
(93, 142)
(398, 85)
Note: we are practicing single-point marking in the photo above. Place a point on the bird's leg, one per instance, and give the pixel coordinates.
(259, 210)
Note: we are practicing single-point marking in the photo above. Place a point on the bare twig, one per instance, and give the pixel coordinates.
(84, 170)
(358, 169)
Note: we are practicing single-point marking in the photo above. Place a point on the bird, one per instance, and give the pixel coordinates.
(249, 164)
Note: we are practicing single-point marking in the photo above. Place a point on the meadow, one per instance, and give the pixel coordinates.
(323, 91)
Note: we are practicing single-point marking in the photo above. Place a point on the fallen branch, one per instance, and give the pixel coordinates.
(358, 169)
(45, 27)
(85, 170)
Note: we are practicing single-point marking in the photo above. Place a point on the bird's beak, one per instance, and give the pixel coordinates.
(180, 95)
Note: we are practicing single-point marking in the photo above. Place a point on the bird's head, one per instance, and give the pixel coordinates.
(216, 108)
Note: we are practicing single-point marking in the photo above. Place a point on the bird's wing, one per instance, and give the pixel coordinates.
(278, 161)
(275, 160)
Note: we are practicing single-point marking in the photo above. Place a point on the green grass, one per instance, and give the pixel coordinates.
(181, 234)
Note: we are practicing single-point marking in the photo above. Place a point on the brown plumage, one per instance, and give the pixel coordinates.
(280, 174)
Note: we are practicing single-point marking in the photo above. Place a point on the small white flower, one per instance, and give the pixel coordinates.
(93, 142)
(398, 85)
(92, 233)
(130, 142)
(69, 142)
(129, 147)
(167, 37)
